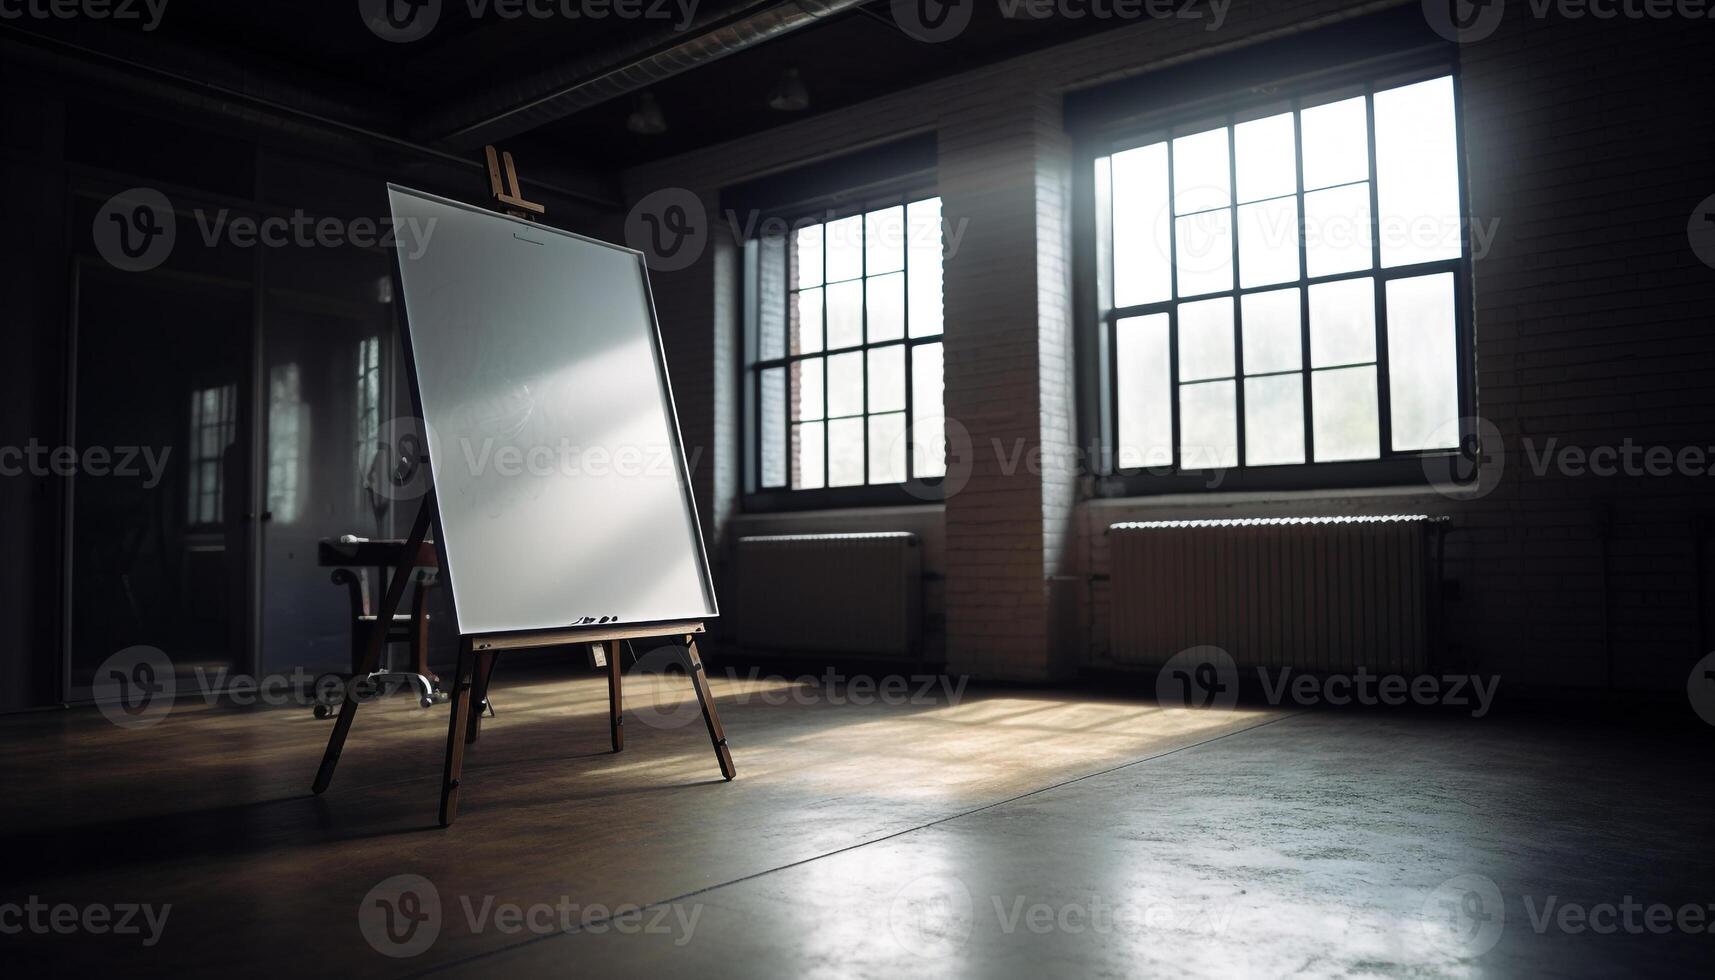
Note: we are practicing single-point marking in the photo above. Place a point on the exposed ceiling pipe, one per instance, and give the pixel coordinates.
(518, 107)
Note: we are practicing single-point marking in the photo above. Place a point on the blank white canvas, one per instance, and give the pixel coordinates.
(555, 452)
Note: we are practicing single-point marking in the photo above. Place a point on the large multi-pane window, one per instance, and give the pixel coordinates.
(1283, 286)
(846, 357)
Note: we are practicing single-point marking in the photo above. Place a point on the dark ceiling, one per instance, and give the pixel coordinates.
(474, 51)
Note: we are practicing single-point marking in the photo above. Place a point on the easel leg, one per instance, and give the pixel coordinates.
(710, 716)
(377, 638)
(456, 733)
(479, 694)
(615, 703)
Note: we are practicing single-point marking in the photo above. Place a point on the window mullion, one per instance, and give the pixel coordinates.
(1105, 297)
(863, 345)
(905, 329)
(1303, 287)
(1177, 460)
(753, 320)
(1384, 394)
(1238, 308)
(1173, 384)
(826, 439)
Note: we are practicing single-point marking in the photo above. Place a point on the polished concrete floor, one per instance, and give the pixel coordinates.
(993, 833)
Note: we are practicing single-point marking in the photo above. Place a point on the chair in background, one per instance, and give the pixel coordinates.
(352, 559)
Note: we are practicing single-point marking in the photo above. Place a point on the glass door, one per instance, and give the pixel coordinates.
(160, 530)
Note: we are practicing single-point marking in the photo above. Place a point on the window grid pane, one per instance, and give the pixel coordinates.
(865, 288)
(1278, 215)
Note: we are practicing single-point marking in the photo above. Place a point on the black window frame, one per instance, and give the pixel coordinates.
(1098, 318)
(915, 489)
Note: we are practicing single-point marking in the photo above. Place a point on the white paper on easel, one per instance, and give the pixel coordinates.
(561, 482)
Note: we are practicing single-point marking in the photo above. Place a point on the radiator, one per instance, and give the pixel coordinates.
(847, 593)
(1316, 594)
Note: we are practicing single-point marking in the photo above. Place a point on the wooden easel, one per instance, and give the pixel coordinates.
(477, 653)
(476, 664)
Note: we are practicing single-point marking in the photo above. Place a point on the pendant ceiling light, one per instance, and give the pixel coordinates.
(789, 94)
(646, 119)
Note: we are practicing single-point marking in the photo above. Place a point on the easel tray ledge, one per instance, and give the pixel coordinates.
(584, 634)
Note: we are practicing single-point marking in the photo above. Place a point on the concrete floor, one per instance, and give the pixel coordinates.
(1012, 833)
